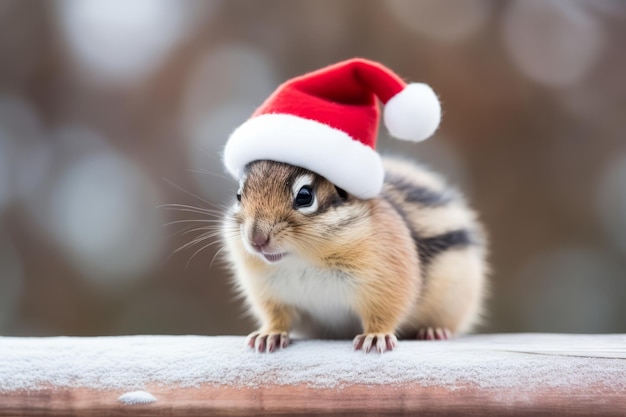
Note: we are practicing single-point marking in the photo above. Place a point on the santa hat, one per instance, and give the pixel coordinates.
(327, 122)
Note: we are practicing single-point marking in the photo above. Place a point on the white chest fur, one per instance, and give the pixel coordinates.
(325, 295)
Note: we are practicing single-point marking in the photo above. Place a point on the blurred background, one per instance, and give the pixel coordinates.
(110, 109)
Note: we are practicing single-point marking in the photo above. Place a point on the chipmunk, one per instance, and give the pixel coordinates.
(316, 261)
(329, 240)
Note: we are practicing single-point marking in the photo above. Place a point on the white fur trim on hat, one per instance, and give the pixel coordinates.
(309, 144)
(414, 113)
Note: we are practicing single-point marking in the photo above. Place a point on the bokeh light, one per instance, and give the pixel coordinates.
(570, 289)
(6, 168)
(19, 120)
(117, 40)
(553, 42)
(20, 137)
(611, 202)
(231, 72)
(11, 280)
(224, 88)
(448, 21)
(103, 214)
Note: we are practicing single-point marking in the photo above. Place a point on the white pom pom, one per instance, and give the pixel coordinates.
(414, 113)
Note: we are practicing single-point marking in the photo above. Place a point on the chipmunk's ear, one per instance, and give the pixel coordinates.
(342, 193)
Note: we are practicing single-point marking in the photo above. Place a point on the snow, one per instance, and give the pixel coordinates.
(137, 397)
(138, 362)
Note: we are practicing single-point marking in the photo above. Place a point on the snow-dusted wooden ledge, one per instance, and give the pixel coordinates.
(517, 374)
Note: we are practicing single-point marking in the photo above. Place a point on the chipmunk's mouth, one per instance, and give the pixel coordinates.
(268, 254)
(273, 257)
(263, 246)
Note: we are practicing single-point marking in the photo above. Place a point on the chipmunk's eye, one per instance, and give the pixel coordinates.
(239, 195)
(305, 197)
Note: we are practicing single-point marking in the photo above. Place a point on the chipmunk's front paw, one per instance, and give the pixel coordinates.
(381, 341)
(267, 341)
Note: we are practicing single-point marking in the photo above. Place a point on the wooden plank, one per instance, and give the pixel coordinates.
(551, 375)
(299, 400)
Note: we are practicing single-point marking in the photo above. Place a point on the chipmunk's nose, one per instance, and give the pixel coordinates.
(259, 239)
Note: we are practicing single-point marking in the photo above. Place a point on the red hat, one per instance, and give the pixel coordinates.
(327, 122)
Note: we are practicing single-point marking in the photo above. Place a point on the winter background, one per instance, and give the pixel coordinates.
(111, 108)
